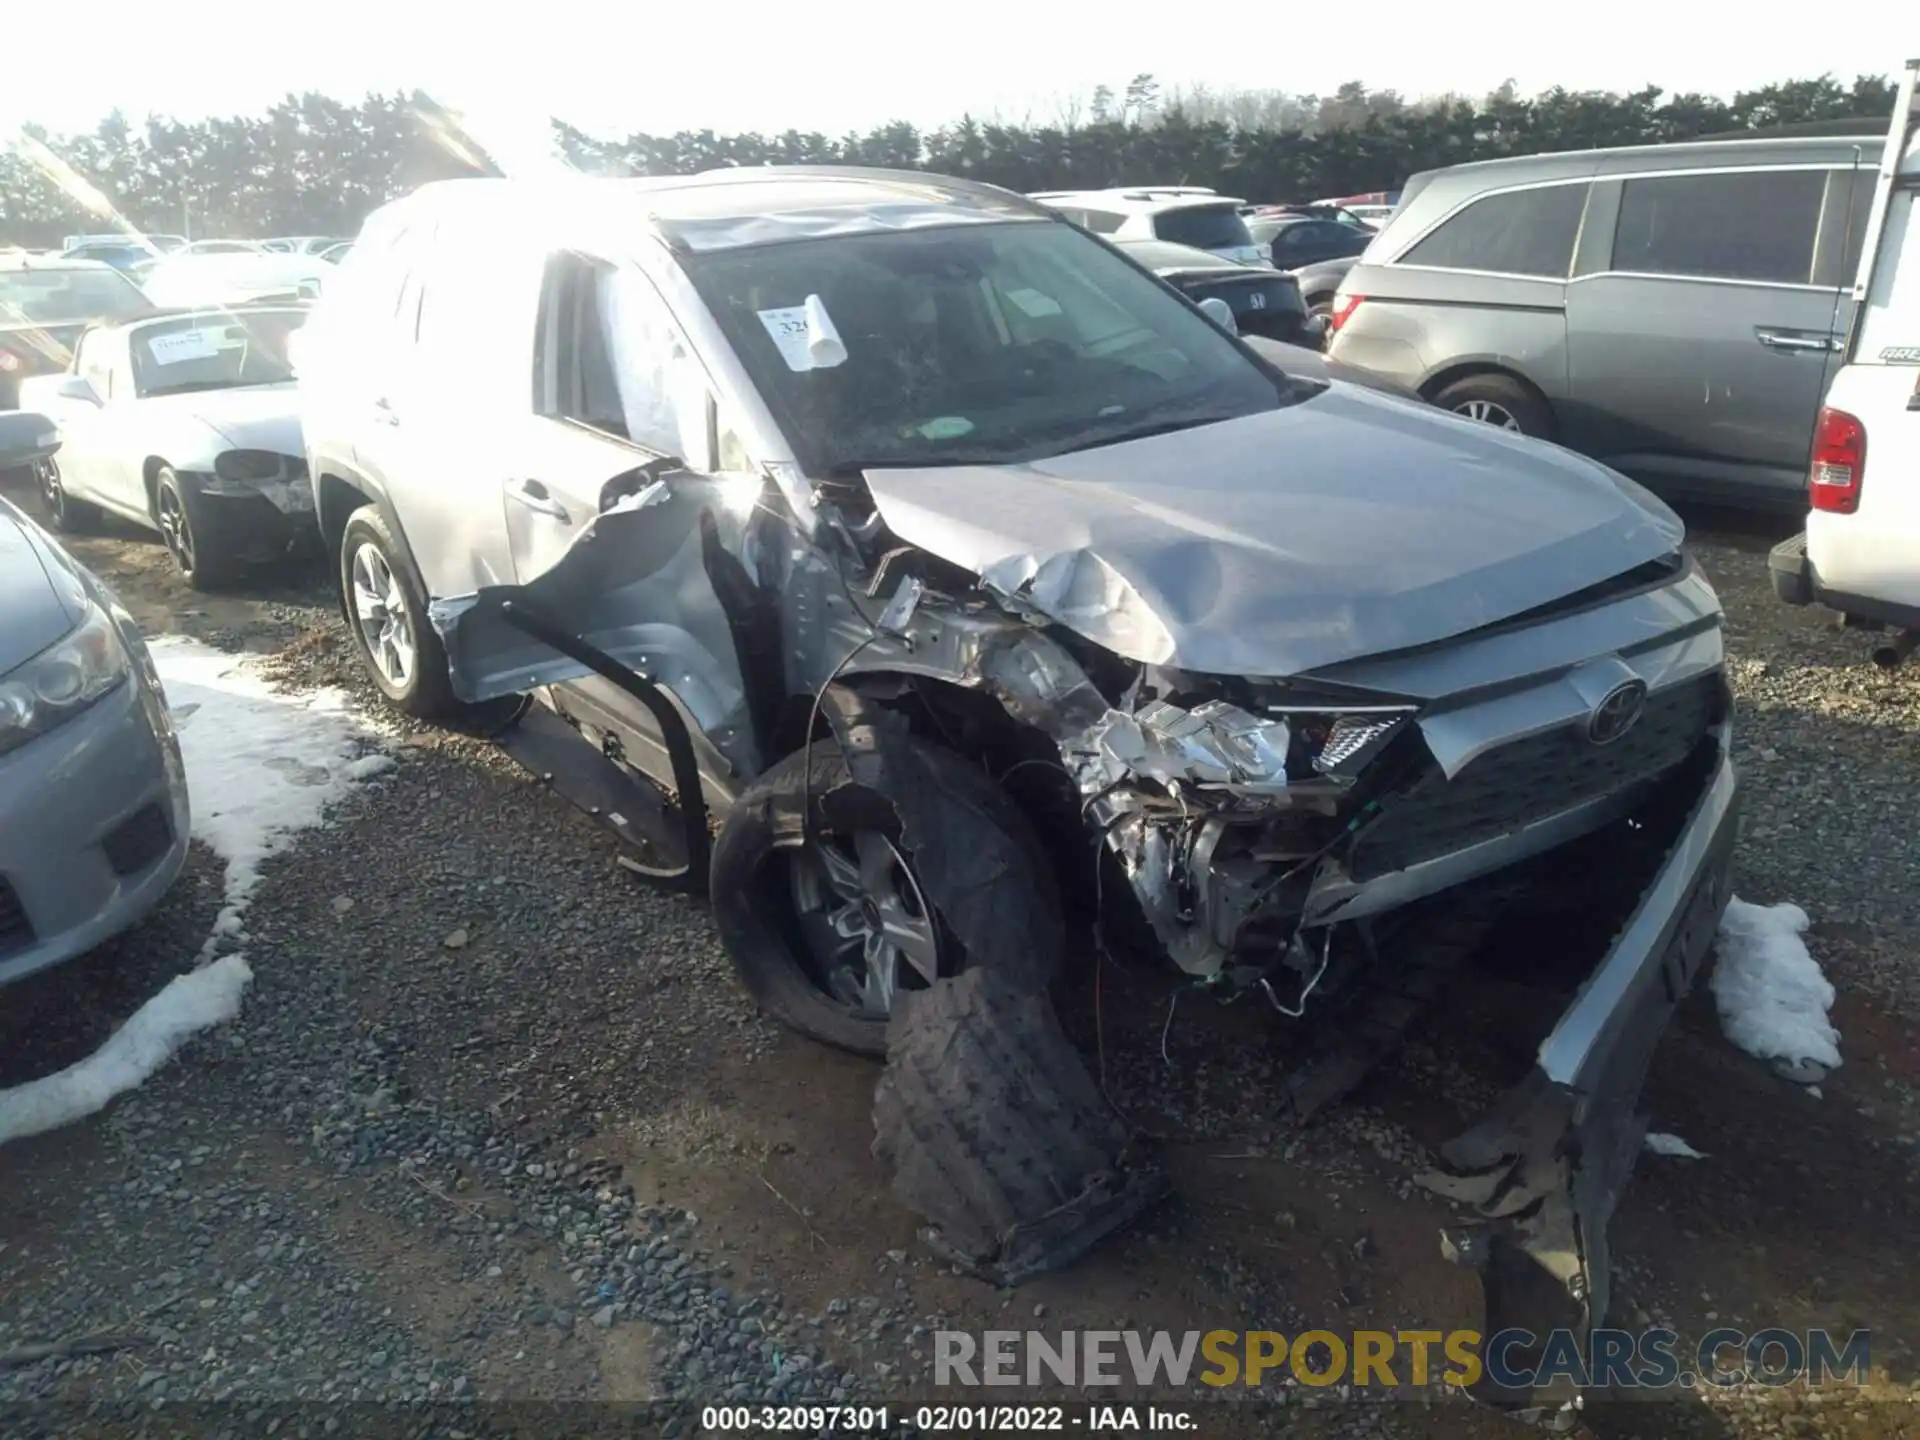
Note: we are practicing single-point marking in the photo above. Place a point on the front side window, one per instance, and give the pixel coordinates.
(609, 353)
(213, 352)
(93, 362)
(55, 296)
(1205, 227)
(971, 344)
(1736, 225)
(1517, 232)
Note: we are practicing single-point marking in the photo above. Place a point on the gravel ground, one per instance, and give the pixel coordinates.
(496, 1123)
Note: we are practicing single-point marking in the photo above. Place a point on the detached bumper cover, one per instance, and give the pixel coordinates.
(1546, 1167)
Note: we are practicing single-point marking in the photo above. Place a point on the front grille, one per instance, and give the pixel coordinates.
(138, 841)
(1531, 779)
(16, 933)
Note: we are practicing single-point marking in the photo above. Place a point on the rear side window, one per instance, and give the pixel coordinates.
(1518, 232)
(1101, 222)
(1738, 225)
(1205, 227)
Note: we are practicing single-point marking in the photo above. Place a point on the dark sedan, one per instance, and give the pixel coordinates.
(1296, 240)
(45, 304)
(1263, 302)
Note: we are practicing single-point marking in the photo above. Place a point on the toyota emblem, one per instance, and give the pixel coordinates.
(1616, 714)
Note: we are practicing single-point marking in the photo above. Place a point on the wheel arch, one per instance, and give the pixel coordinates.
(341, 489)
(1471, 369)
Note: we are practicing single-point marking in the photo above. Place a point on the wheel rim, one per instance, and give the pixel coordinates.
(175, 530)
(1487, 412)
(51, 495)
(380, 609)
(865, 921)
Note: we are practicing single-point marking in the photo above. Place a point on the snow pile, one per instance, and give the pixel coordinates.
(262, 765)
(1671, 1145)
(1773, 998)
(188, 1004)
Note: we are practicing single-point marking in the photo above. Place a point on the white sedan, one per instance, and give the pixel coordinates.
(188, 425)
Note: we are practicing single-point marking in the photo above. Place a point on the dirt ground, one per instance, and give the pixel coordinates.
(662, 1080)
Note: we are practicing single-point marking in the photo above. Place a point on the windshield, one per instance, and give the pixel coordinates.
(213, 352)
(1205, 227)
(975, 344)
(54, 296)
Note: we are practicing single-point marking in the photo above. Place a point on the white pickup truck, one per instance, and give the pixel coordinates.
(1860, 552)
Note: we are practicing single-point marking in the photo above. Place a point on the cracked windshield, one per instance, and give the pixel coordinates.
(948, 728)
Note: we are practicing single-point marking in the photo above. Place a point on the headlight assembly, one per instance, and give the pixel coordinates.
(61, 681)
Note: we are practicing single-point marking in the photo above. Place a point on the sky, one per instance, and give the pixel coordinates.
(613, 67)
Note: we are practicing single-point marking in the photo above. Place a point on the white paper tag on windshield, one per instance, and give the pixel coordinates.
(185, 345)
(1037, 306)
(790, 331)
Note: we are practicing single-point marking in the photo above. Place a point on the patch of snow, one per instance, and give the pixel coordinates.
(262, 765)
(188, 1004)
(1772, 996)
(1672, 1145)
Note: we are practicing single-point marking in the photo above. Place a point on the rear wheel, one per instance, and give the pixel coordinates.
(1500, 401)
(63, 512)
(387, 616)
(1320, 304)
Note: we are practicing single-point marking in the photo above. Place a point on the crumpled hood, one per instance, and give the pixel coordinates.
(1346, 525)
(259, 417)
(32, 612)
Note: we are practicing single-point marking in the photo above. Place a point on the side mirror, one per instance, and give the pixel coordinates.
(75, 387)
(26, 438)
(1221, 313)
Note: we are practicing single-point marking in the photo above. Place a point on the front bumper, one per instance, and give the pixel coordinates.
(257, 524)
(93, 827)
(1546, 1167)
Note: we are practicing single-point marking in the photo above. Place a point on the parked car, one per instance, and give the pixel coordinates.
(45, 304)
(93, 795)
(222, 247)
(1860, 550)
(1320, 211)
(301, 244)
(838, 493)
(163, 243)
(192, 281)
(1564, 296)
(186, 424)
(1262, 303)
(1320, 282)
(1181, 215)
(334, 254)
(1296, 240)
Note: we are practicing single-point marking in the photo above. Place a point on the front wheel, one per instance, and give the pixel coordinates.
(829, 933)
(200, 551)
(387, 616)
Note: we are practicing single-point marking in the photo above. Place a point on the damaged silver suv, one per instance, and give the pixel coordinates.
(894, 560)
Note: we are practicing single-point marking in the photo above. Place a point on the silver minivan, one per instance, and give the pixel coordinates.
(1672, 310)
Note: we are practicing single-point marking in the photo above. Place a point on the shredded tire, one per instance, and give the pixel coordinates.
(997, 1133)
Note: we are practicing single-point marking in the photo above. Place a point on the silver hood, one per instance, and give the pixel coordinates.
(254, 417)
(33, 611)
(1347, 525)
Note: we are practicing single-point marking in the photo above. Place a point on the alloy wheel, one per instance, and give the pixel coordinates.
(1487, 412)
(380, 610)
(175, 530)
(865, 920)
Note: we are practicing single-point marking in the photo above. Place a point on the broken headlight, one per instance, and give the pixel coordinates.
(1336, 732)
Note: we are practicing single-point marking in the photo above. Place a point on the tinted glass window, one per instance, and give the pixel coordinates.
(1205, 227)
(53, 296)
(1101, 222)
(213, 351)
(1278, 294)
(1860, 200)
(975, 344)
(1740, 225)
(1521, 232)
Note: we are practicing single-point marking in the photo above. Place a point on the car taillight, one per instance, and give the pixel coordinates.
(1343, 308)
(1839, 463)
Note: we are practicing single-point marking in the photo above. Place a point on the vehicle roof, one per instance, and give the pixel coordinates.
(1163, 257)
(743, 205)
(1141, 199)
(1761, 149)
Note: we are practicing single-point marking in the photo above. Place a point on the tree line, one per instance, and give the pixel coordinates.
(315, 165)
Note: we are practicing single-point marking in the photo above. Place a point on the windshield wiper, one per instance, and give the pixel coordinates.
(1147, 429)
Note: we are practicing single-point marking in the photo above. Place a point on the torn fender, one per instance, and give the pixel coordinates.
(1546, 1167)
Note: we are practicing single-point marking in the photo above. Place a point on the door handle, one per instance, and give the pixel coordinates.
(533, 495)
(1795, 341)
(383, 412)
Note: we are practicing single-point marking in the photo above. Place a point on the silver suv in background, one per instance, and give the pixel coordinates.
(1178, 214)
(1672, 310)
